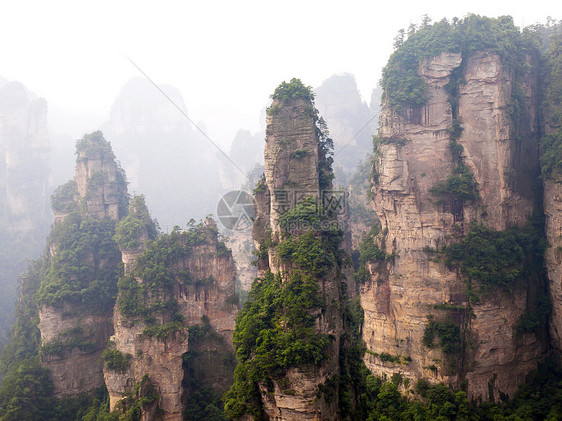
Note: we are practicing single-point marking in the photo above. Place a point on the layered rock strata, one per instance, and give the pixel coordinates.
(552, 182)
(414, 156)
(202, 293)
(294, 173)
(74, 335)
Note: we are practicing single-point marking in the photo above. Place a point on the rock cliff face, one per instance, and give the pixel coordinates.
(75, 369)
(553, 254)
(99, 187)
(24, 147)
(551, 161)
(296, 173)
(413, 157)
(154, 339)
(75, 328)
(99, 182)
(289, 179)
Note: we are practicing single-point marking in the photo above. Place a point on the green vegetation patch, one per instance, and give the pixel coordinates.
(135, 226)
(275, 331)
(307, 252)
(551, 144)
(459, 186)
(64, 197)
(156, 268)
(113, 359)
(144, 395)
(93, 144)
(73, 338)
(260, 186)
(492, 258)
(207, 358)
(294, 89)
(305, 215)
(85, 267)
(368, 252)
(159, 270)
(298, 154)
(403, 87)
(448, 333)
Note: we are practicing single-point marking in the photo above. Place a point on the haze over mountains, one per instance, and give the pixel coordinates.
(180, 172)
(167, 159)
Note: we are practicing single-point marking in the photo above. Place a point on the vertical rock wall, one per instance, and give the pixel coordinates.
(207, 298)
(101, 193)
(552, 182)
(553, 254)
(292, 173)
(414, 157)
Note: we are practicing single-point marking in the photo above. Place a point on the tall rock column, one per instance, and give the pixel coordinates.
(551, 161)
(462, 136)
(287, 368)
(77, 293)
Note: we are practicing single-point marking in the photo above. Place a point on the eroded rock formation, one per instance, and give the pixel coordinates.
(414, 155)
(76, 295)
(193, 286)
(551, 161)
(297, 181)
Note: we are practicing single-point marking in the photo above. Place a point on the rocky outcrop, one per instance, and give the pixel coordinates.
(503, 158)
(75, 367)
(243, 253)
(553, 254)
(100, 182)
(413, 157)
(84, 263)
(294, 170)
(202, 293)
(291, 159)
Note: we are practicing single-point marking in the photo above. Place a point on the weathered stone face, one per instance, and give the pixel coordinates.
(162, 358)
(292, 174)
(75, 371)
(291, 156)
(102, 199)
(78, 369)
(503, 161)
(553, 254)
(404, 290)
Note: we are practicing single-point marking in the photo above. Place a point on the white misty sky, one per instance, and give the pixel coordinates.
(226, 57)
